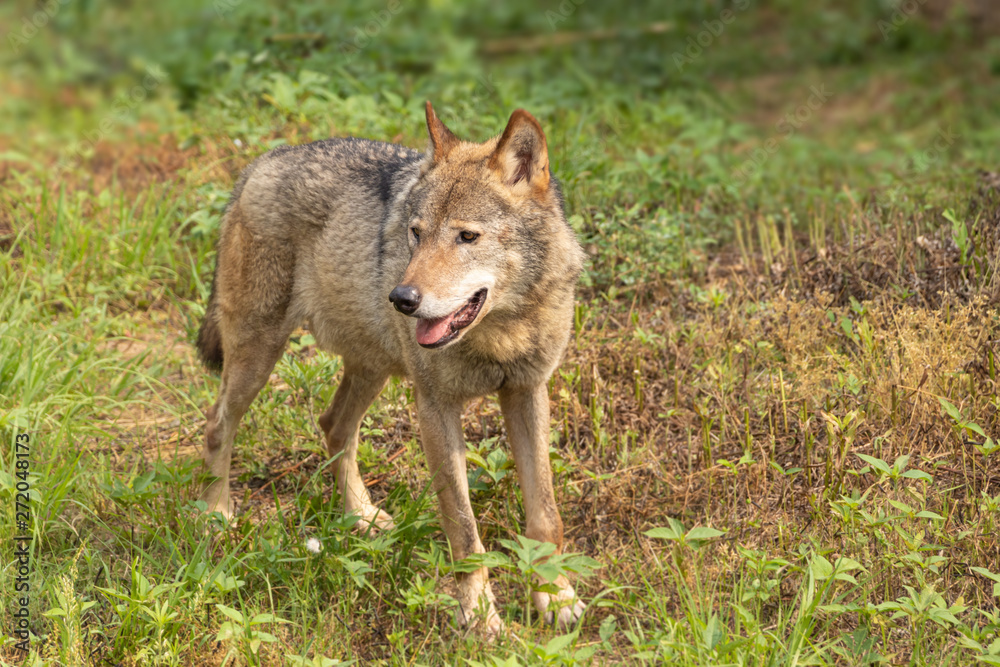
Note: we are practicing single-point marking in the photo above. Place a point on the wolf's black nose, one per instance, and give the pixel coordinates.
(406, 299)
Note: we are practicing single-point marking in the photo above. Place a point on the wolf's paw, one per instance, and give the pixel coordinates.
(563, 608)
(373, 519)
(486, 622)
(477, 609)
(216, 496)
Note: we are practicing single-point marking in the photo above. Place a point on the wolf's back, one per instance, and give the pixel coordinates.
(292, 191)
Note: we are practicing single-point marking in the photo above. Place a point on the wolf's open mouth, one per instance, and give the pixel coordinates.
(442, 330)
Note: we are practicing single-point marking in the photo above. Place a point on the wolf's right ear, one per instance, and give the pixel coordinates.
(442, 138)
(521, 157)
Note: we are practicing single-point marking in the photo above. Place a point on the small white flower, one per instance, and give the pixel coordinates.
(313, 545)
(239, 144)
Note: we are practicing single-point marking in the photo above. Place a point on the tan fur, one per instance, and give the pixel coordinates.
(324, 233)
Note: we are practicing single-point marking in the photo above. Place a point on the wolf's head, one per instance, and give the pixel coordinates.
(486, 231)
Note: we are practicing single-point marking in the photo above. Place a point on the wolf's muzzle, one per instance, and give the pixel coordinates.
(405, 298)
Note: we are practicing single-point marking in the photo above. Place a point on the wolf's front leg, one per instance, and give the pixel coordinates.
(444, 447)
(526, 416)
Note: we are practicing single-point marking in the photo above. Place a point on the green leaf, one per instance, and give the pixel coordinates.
(901, 506)
(607, 628)
(968, 642)
(878, 464)
(703, 533)
(556, 645)
(847, 326)
(490, 559)
(925, 514)
(476, 458)
(547, 571)
(845, 564)
(917, 474)
(951, 410)
(661, 533)
(901, 461)
(266, 618)
(821, 568)
(231, 613)
(940, 616)
(986, 573)
(579, 564)
(227, 631)
(975, 428)
(666, 533)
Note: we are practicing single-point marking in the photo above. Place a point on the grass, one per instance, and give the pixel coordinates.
(775, 430)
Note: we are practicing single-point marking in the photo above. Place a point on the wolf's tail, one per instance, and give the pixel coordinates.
(209, 338)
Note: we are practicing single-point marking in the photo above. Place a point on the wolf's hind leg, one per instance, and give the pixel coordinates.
(252, 291)
(340, 423)
(246, 370)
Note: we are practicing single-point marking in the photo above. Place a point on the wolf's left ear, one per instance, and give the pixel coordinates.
(442, 139)
(521, 156)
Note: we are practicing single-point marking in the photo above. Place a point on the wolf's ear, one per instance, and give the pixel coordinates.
(521, 156)
(442, 138)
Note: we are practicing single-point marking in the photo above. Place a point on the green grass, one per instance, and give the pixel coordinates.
(774, 432)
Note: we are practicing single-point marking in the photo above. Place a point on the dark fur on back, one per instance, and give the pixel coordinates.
(375, 165)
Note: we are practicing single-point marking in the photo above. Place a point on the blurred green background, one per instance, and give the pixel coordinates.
(702, 110)
(243, 67)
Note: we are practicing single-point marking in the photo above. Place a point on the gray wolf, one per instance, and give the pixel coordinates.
(454, 268)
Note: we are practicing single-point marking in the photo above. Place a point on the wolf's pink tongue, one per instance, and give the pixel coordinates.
(431, 331)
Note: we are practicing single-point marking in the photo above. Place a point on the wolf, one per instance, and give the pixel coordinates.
(454, 267)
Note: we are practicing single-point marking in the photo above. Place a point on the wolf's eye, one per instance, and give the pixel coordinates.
(415, 232)
(468, 237)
